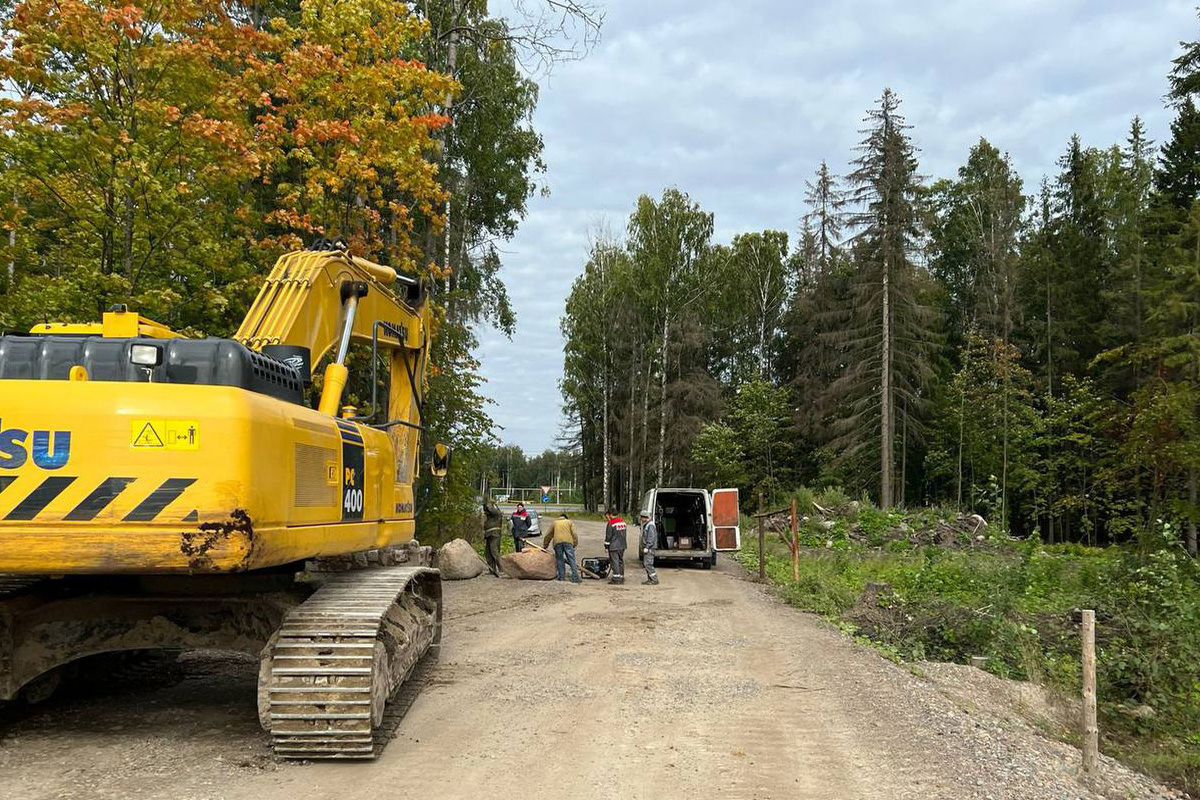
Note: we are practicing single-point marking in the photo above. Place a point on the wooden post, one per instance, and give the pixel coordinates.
(795, 543)
(762, 541)
(1091, 755)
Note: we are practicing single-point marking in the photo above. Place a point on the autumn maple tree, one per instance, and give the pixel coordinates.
(163, 154)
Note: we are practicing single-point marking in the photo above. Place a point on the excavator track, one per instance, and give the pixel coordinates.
(338, 657)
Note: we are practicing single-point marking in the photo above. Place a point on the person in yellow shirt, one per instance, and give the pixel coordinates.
(562, 536)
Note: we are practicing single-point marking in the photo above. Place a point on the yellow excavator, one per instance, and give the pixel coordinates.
(165, 492)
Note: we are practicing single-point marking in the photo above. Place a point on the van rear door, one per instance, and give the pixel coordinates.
(726, 520)
(648, 504)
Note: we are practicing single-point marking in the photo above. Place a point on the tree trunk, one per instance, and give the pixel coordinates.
(12, 246)
(1004, 445)
(451, 64)
(662, 405)
(1191, 529)
(1049, 397)
(645, 430)
(127, 241)
(604, 436)
(764, 368)
(885, 399)
(130, 204)
(108, 245)
(1137, 288)
(962, 413)
(633, 373)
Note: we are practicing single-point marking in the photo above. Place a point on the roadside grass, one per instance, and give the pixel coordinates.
(1014, 604)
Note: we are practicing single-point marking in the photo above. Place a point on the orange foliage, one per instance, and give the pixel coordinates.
(327, 112)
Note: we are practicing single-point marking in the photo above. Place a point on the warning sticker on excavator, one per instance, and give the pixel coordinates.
(165, 434)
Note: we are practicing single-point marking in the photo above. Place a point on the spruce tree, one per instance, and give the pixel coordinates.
(1178, 173)
(1082, 261)
(1185, 74)
(888, 337)
(826, 216)
(1137, 167)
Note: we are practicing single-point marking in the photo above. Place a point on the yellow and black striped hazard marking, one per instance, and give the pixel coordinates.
(159, 499)
(349, 431)
(97, 500)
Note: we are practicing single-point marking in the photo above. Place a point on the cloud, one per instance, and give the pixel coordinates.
(737, 103)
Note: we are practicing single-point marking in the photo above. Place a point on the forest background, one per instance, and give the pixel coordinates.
(921, 350)
(1024, 350)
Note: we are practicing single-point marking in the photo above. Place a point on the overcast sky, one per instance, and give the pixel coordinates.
(736, 103)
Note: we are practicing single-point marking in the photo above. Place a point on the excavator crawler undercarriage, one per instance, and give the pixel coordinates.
(329, 659)
(329, 670)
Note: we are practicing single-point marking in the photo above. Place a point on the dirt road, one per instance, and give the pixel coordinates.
(701, 687)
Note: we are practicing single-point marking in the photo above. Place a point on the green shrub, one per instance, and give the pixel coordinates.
(875, 524)
(832, 497)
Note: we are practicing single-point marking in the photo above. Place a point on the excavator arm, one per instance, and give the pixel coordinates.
(325, 300)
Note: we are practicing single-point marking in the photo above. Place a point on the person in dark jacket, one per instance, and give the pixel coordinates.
(614, 543)
(493, 524)
(649, 545)
(520, 527)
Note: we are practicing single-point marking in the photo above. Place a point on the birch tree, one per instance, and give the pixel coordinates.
(668, 240)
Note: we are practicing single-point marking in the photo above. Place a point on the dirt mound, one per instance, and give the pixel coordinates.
(974, 690)
(850, 520)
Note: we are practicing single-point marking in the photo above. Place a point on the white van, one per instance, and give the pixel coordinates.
(693, 524)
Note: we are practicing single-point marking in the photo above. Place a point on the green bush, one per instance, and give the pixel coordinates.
(832, 497)
(875, 524)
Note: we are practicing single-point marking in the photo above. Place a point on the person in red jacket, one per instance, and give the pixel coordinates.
(614, 543)
(520, 527)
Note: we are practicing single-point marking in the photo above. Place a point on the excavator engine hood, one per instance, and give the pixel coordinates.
(118, 477)
(211, 362)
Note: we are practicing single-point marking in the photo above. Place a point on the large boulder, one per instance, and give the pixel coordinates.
(458, 561)
(529, 565)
